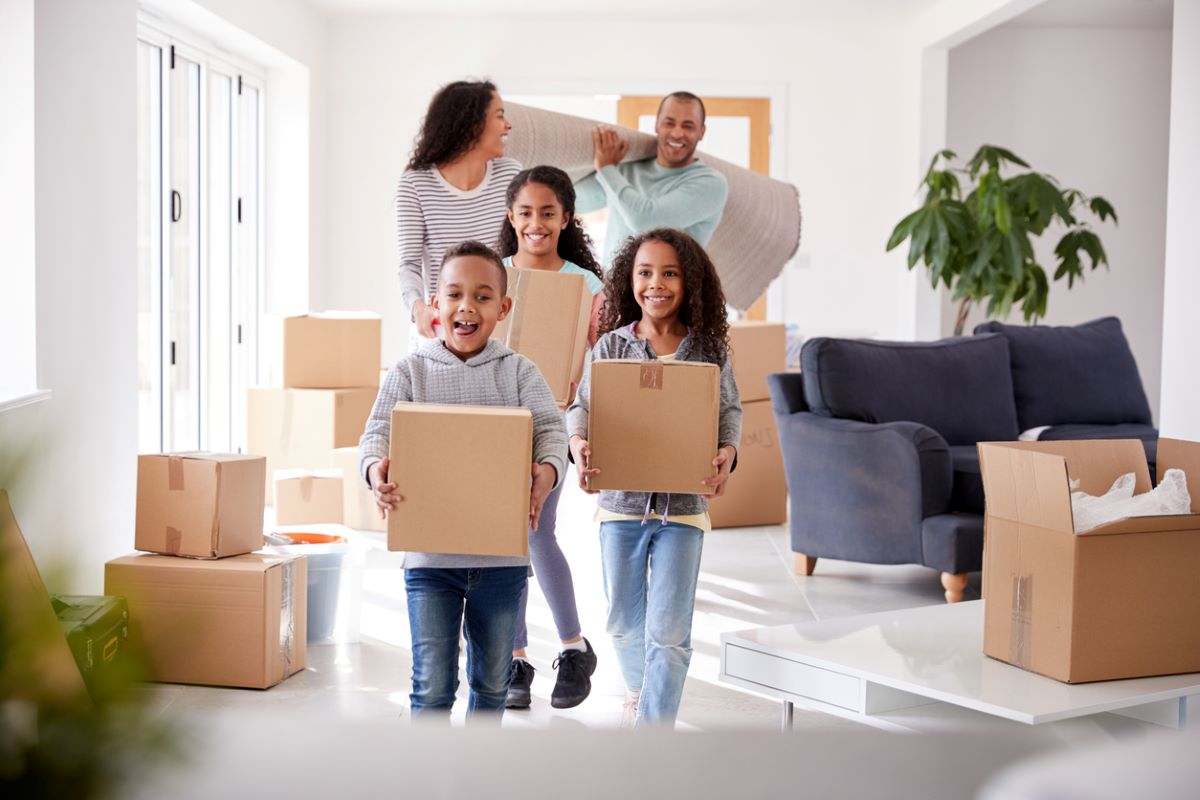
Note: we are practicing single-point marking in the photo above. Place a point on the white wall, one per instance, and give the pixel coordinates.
(1181, 322)
(78, 496)
(843, 95)
(1090, 106)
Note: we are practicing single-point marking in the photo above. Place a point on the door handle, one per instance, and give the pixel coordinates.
(176, 206)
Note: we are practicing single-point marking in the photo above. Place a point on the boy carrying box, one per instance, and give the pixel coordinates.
(445, 589)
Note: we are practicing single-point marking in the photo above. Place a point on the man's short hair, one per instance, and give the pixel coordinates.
(474, 248)
(686, 97)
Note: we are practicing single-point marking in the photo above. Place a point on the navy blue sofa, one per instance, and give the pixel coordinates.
(879, 438)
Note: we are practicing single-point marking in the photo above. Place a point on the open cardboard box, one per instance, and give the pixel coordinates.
(1118, 601)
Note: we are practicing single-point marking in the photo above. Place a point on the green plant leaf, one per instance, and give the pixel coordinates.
(902, 230)
(1103, 209)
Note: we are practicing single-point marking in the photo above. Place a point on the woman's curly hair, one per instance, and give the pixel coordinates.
(455, 120)
(574, 244)
(703, 308)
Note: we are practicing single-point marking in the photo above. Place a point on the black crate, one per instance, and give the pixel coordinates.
(97, 628)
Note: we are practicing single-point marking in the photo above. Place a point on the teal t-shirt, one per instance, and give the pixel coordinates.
(594, 284)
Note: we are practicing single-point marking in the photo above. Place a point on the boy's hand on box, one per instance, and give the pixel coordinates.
(581, 453)
(724, 463)
(385, 493)
(544, 477)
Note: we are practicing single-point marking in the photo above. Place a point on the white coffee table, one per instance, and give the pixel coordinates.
(924, 668)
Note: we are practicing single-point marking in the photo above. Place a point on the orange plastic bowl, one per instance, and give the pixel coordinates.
(313, 538)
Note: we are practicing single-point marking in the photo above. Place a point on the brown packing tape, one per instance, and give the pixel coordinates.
(652, 375)
(1020, 642)
(306, 488)
(174, 540)
(174, 473)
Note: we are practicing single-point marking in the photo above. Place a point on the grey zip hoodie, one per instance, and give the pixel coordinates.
(623, 343)
(496, 376)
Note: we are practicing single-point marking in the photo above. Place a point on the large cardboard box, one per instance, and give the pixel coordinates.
(200, 505)
(464, 474)
(652, 425)
(238, 621)
(304, 497)
(756, 493)
(358, 503)
(331, 350)
(759, 349)
(548, 324)
(300, 428)
(1117, 601)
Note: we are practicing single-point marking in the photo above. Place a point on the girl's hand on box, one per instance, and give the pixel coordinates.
(581, 453)
(424, 315)
(724, 463)
(385, 493)
(544, 477)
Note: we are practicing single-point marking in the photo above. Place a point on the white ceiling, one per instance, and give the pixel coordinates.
(1099, 14)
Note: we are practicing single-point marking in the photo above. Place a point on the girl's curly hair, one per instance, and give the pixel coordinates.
(455, 120)
(574, 244)
(703, 308)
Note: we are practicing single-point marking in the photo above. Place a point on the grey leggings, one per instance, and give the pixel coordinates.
(553, 575)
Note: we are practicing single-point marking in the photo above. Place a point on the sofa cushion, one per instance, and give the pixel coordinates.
(962, 388)
(966, 488)
(1130, 430)
(1073, 374)
(952, 542)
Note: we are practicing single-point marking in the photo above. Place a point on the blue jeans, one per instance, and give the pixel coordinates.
(482, 603)
(650, 574)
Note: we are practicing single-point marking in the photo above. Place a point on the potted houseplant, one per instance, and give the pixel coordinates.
(979, 247)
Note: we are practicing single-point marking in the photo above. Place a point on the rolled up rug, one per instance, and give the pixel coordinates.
(758, 233)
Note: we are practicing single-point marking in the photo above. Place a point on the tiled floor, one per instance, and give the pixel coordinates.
(746, 580)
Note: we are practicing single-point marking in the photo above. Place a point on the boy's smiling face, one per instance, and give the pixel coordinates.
(469, 302)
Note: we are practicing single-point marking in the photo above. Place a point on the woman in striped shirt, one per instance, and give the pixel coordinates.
(453, 188)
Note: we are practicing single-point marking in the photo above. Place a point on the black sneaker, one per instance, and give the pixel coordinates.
(574, 684)
(518, 687)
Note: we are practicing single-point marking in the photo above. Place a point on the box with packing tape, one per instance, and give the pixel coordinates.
(304, 497)
(1116, 601)
(464, 474)
(331, 350)
(359, 511)
(234, 622)
(756, 493)
(652, 425)
(199, 505)
(757, 349)
(548, 324)
(300, 428)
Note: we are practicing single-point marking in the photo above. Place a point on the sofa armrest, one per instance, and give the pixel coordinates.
(787, 392)
(859, 490)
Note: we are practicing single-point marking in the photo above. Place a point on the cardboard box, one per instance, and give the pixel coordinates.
(300, 428)
(304, 497)
(759, 349)
(464, 473)
(756, 493)
(238, 621)
(1117, 601)
(200, 505)
(358, 503)
(652, 425)
(549, 324)
(331, 350)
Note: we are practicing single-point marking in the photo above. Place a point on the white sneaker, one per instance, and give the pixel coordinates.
(629, 710)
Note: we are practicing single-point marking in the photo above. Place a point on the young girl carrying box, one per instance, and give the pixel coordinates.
(663, 300)
(542, 232)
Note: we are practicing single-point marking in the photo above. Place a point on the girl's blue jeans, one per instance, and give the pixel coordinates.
(482, 603)
(650, 574)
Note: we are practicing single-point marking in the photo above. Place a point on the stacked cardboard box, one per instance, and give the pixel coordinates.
(756, 493)
(549, 324)
(1116, 601)
(358, 503)
(209, 610)
(304, 497)
(330, 379)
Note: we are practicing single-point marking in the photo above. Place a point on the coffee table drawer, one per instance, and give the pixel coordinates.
(792, 677)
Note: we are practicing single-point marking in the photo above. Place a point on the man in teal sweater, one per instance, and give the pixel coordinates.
(674, 189)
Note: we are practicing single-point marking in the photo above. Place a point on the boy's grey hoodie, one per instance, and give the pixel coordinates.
(623, 343)
(496, 376)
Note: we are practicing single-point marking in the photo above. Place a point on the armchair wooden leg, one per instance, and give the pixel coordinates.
(805, 564)
(954, 584)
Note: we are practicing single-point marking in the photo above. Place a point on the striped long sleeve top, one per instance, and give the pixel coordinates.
(432, 216)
